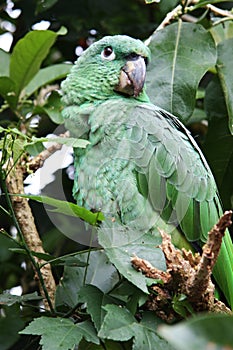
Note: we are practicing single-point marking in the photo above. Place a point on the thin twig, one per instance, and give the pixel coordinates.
(38, 161)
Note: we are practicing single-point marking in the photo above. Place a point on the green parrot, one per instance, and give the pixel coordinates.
(141, 164)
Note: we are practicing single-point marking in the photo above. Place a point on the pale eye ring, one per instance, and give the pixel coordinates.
(108, 53)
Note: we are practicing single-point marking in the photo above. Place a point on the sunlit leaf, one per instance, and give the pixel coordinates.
(68, 208)
(27, 56)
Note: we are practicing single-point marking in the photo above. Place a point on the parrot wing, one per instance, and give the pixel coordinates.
(174, 175)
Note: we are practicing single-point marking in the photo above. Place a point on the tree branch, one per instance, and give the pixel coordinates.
(186, 274)
(38, 161)
(26, 225)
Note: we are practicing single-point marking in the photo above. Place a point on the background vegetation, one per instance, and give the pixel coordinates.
(191, 75)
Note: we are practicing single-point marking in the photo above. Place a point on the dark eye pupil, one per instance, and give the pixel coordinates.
(107, 51)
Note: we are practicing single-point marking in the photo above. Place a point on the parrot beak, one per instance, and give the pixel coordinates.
(132, 77)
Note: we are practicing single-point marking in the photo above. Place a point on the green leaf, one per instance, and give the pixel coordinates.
(68, 208)
(53, 107)
(27, 56)
(117, 324)
(46, 76)
(222, 32)
(5, 63)
(218, 146)
(70, 141)
(225, 72)
(100, 273)
(10, 299)
(60, 333)
(94, 299)
(202, 3)
(8, 91)
(201, 332)
(181, 54)
(122, 243)
(120, 325)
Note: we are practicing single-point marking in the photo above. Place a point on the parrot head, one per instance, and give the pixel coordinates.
(113, 65)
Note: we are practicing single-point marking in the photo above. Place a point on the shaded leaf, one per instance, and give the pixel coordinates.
(202, 3)
(100, 273)
(60, 333)
(177, 66)
(10, 299)
(8, 91)
(120, 325)
(10, 325)
(203, 332)
(43, 5)
(53, 107)
(94, 299)
(218, 146)
(108, 345)
(121, 243)
(47, 75)
(225, 72)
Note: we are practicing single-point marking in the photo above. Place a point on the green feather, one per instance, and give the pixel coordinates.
(141, 163)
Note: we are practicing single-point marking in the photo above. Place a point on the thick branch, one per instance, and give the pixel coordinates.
(23, 214)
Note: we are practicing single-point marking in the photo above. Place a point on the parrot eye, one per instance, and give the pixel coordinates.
(108, 53)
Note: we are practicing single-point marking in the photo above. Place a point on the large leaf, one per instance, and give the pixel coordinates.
(47, 75)
(100, 273)
(120, 325)
(121, 243)
(203, 332)
(218, 146)
(27, 56)
(94, 299)
(60, 333)
(181, 54)
(225, 72)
